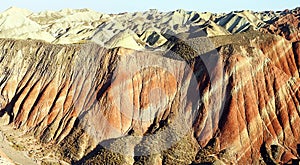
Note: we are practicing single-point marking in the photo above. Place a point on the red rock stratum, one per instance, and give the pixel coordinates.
(189, 98)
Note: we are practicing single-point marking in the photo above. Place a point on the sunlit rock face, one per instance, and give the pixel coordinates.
(286, 26)
(156, 96)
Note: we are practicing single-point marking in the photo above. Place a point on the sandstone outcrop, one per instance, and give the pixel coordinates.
(287, 26)
(124, 92)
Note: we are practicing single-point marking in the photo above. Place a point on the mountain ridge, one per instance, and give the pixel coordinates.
(152, 87)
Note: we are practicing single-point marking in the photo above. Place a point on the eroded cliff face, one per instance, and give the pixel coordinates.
(237, 107)
(230, 98)
(43, 83)
(263, 94)
(286, 26)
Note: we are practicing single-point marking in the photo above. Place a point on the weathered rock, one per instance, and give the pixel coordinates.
(286, 26)
(296, 49)
(237, 104)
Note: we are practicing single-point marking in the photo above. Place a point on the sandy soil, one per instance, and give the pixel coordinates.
(18, 148)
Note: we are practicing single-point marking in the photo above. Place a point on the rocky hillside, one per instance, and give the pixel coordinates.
(151, 88)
